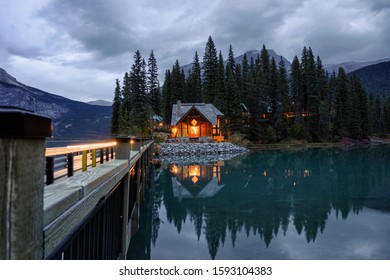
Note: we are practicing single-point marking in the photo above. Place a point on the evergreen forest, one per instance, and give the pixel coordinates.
(261, 99)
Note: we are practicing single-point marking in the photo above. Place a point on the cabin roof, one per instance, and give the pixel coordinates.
(207, 110)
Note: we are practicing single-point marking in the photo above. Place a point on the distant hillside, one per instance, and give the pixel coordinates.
(351, 66)
(100, 103)
(71, 118)
(375, 78)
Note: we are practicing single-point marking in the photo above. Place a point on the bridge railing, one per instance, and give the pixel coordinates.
(76, 216)
(65, 161)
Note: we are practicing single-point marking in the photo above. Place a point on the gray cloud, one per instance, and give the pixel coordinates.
(100, 37)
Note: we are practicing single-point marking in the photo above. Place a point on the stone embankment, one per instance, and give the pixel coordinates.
(181, 149)
(186, 153)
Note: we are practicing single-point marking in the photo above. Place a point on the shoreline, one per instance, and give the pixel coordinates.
(293, 146)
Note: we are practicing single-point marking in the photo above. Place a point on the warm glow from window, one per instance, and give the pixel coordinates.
(174, 169)
(194, 170)
(194, 130)
(265, 173)
(194, 122)
(174, 131)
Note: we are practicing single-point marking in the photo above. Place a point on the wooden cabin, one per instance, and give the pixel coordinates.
(197, 122)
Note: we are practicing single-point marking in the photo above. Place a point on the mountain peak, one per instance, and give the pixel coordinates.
(100, 102)
(7, 78)
(70, 118)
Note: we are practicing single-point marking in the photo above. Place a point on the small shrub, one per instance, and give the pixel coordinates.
(239, 139)
(270, 135)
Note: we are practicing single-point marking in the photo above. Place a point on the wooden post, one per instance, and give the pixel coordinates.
(94, 158)
(22, 165)
(123, 152)
(70, 164)
(101, 152)
(84, 161)
(49, 170)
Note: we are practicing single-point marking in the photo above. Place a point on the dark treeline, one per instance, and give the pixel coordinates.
(138, 99)
(260, 98)
(266, 102)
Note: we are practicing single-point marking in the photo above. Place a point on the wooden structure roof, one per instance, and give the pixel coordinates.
(207, 110)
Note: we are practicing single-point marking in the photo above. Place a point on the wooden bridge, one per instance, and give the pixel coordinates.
(74, 202)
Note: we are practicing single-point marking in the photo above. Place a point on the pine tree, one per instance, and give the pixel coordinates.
(341, 103)
(153, 84)
(167, 97)
(232, 108)
(378, 117)
(116, 109)
(352, 114)
(126, 107)
(140, 113)
(297, 100)
(210, 65)
(303, 78)
(386, 115)
(332, 85)
(194, 82)
(324, 111)
(263, 80)
(220, 96)
(178, 84)
(363, 110)
(313, 95)
(231, 64)
(371, 114)
(254, 103)
(244, 74)
(273, 95)
(284, 105)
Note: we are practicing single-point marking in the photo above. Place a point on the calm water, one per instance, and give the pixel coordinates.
(315, 204)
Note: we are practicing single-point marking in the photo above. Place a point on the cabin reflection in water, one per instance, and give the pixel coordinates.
(196, 181)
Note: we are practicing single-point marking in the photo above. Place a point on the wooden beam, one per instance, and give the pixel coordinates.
(22, 170)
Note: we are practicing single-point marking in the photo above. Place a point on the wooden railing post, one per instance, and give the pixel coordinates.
(70, 164)
(49, 170)
(22, 170)
(123, 152)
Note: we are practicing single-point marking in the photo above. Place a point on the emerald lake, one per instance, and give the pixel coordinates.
(323, 203)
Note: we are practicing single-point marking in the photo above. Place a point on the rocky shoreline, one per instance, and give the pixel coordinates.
(198, 152)
(179, 149)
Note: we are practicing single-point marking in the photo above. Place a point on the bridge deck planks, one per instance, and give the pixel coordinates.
(68, 202)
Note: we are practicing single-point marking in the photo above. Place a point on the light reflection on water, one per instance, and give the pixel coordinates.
(314, 204)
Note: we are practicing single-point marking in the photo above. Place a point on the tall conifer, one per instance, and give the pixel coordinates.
(210, 65)
(116, 109)
(153, 84)
(141, 111)
(167, 97)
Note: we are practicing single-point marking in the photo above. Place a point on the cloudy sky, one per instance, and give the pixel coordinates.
(77, 48)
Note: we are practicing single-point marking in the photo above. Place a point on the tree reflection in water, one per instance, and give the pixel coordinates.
(268, 193)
